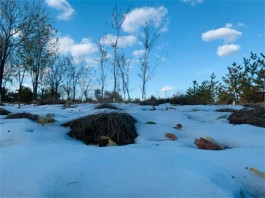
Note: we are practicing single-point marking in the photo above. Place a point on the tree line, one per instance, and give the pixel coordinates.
(243, 83)
(29, 49)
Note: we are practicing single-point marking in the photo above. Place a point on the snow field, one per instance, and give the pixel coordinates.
(43, 161)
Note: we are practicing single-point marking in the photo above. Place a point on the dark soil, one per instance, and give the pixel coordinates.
(119, 127)
(23, 115)
(226, 110)
(107, 106)
(253, 116)
(4, 111)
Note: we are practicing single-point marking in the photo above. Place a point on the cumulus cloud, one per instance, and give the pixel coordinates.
(192, 2)
(123, 41)
(240, 24)
(229, 25)
(138, 17)
(63, 6)
(68, 46)
(227, 34)
(16, 33)
(227, 50)
(138, 53)
(167, 88)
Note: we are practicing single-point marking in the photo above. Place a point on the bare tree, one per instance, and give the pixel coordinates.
(117, 21)
(67, 81)
(9, 73)
(150, 37)
(21, 70)
(56, 70)
(102, 71)
(85, 87)
(40, 45)
(124, 69)
(15, 19)
(75, 70)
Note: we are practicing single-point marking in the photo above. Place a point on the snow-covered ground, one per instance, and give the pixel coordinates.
(43, 161)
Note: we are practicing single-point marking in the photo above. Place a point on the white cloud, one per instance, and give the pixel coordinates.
(227, 34)
(167, 88)
(138, 17)
(16, 33)
(227, 50)
(68, 46)
(229, 25)
(138, 53)
(62, 5)
(240, 24)
(192, 2)
(160, 57)
(123, 41)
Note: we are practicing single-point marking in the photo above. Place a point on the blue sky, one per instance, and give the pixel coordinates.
(199, 37)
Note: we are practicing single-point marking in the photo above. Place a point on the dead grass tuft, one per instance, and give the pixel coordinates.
(23, 115)
(119, 127)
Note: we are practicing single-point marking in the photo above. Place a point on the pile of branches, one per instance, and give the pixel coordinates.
(119, 127)
(253, 116)
(107, 106)
(4, 111)
(23, 115)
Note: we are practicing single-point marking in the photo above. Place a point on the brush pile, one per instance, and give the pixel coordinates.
(253, 116)
(119, 127)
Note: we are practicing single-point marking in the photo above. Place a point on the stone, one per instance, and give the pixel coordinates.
(207, 144)
(178, 126)
(171, 136)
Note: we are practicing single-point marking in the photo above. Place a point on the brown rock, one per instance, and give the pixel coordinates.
(207, 144)
(171, 136)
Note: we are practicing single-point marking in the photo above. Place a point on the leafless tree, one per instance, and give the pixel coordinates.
(85, 87)
(9, 73)
(15, 19)
(124, 69)
(21, 70)
(150, 38)
(102, 70)
(56, 68)
(117, 21)
(40, 45)
(75, 70)
(67, 80)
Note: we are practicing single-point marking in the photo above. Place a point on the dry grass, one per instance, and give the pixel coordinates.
(4, 111)
(117, 126)
(23, 115)
(107, 106)
(253, 116)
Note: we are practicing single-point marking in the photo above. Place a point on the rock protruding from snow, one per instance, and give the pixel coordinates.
(171, 136)
(207, 144)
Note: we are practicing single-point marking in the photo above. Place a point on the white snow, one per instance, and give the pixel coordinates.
(43, 161)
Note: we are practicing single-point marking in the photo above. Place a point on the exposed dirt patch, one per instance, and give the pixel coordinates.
(107, 106)
(4, 111)
(226, 110)
(23, 115)
(119, 127)
(253, 116)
